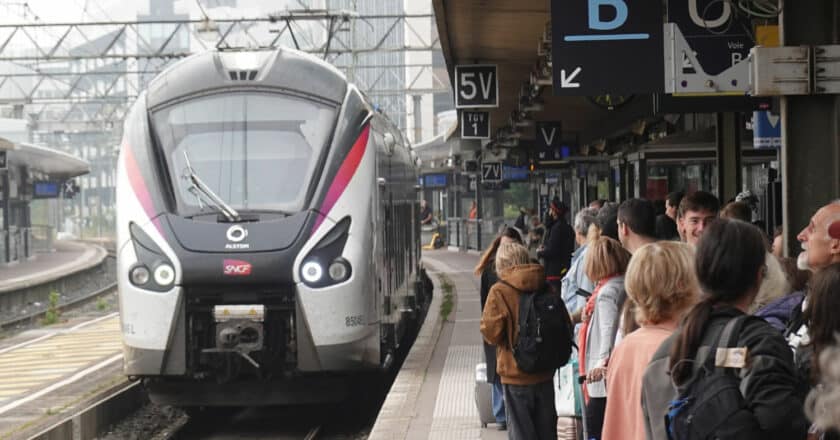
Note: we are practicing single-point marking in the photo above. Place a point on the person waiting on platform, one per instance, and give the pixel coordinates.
(666, 224)
(737, 211)
(536, 234)
(697, 210)
(425, 213)
(661, 282)
(636, 227)
(729, 264)
(606, 262)
(558, 248)
(575, 280)
(473, 210)
(486, 269)
(820, 241)
(824, 325)
(529, 398)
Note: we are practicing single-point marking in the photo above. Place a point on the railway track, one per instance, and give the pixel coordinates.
(72, 303)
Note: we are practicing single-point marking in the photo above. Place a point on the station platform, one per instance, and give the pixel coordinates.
(69, 257)
(47, 373)
(433, 394)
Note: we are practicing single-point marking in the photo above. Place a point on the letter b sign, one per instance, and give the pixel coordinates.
(596, 22)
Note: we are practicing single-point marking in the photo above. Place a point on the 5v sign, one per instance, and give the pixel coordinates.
(476, 86)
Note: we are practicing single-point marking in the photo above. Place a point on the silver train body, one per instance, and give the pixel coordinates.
(267, 231)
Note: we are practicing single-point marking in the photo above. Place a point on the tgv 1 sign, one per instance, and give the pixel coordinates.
(606, 46)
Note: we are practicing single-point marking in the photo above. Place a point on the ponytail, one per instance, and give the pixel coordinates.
(688, 341)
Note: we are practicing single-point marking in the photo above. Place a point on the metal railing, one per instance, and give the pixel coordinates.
(472, 234)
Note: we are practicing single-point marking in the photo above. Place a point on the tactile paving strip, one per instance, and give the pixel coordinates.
(456, 416)
(36, 365)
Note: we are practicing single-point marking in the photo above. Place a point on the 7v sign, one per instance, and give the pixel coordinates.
(566, 80)
(491, 172)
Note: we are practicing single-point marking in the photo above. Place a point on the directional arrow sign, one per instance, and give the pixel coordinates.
(603, 38)
(566, 80)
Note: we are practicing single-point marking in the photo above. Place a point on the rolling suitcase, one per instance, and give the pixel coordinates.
(483, 396)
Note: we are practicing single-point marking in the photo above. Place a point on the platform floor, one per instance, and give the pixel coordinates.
(432, 397)
(69, 257)
(45, 373)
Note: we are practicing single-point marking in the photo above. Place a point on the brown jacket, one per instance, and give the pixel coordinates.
(499, 322)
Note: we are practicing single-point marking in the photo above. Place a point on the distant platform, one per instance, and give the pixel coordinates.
(69, 257)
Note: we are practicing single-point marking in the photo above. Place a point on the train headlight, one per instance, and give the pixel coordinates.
(312, 272)
(324, 266)
(139, 275)
(339, 270)
(164, 274)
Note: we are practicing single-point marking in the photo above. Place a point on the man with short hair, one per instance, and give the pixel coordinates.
(666, 224)
(696, 212)
(636, 224)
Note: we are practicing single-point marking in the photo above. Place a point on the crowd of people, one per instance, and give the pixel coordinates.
(688, 324)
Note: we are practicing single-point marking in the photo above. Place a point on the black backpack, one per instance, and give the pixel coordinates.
(710, 405)
(546, 333)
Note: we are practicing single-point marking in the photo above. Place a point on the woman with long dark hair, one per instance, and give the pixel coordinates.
(730, 266)
(486, 269)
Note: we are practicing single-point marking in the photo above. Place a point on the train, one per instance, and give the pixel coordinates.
(268, 239)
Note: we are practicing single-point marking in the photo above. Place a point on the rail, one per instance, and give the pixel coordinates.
(473, 234)
(28, 303)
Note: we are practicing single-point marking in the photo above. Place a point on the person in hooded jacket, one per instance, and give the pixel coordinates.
(529, 397)
(486, 269)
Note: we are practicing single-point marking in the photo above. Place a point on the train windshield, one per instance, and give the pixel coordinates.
(256, 151)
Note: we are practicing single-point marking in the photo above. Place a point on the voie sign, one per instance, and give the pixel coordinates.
(476, 86)
(716, 33)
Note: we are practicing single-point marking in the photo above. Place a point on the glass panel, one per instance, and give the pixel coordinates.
(256, 151)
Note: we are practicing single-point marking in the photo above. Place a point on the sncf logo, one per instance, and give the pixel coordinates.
(236, 268)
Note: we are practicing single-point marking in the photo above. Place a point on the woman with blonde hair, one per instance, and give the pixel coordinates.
(486, 270)
(605, 263)
(660, 280)
(529, 397)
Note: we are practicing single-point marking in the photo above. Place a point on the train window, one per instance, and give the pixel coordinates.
(257, 151)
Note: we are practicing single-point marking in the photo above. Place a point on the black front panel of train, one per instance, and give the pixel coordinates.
(207, 358)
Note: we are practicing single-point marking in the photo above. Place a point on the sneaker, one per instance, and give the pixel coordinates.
(501, 426)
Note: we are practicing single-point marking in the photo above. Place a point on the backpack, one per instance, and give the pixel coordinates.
(546, 333)
(710, 405)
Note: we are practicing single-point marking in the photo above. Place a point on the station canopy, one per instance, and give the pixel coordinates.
(507, 33)
(52, 162)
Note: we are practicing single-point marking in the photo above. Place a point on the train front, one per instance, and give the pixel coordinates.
(244, 231)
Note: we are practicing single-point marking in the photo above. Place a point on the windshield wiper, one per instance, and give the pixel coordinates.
(203, 192)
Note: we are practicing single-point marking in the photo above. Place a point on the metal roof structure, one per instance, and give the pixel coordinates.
(45, 160)
(513, 35)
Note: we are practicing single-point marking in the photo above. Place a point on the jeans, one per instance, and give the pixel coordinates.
(498, 400)
(530, 411)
